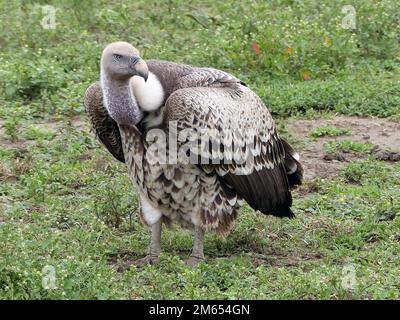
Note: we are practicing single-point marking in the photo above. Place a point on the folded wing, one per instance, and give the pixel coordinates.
(239, 143)
(105, 127)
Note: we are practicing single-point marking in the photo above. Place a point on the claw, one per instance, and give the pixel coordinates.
(193, 261)
(151, 260)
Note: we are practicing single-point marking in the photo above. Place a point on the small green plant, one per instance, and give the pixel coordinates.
(348, 145)
(38, 134)
(11, 128)
(387, 210)
(330, 131)
(114, 209)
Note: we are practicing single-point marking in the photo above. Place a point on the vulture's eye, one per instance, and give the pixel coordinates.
(117, 57)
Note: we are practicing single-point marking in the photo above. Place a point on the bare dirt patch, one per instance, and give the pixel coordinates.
(384, 134)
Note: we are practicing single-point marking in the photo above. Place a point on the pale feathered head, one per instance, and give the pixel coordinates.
(120, 61)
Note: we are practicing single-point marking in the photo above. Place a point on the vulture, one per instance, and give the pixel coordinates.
(196, 141)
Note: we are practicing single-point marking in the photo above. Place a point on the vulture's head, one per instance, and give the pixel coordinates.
(121, 61)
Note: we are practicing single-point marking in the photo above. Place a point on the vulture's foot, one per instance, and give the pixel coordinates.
(193, 261)
(155, 247)
(197, 255)
(149, 259)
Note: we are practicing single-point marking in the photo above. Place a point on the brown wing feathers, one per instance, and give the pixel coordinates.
(105, 127)
(210, 77)
(267, 187)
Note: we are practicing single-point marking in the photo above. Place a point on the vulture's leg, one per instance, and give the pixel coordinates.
(155, 246)
(153, 217)
(197, 255)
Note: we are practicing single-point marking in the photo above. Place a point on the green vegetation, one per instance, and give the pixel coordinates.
(330, 131)
(348, 145)
(66, 203)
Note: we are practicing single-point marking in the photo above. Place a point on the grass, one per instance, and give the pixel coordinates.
(65, 203)
(348, 145)
(330, 131)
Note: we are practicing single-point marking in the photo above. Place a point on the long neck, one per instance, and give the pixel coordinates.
(120, 101)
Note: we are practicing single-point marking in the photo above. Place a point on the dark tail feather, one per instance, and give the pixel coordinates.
(283, 211)
(294, 169)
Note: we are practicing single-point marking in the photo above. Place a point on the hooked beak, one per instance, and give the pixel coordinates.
(139, 66)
